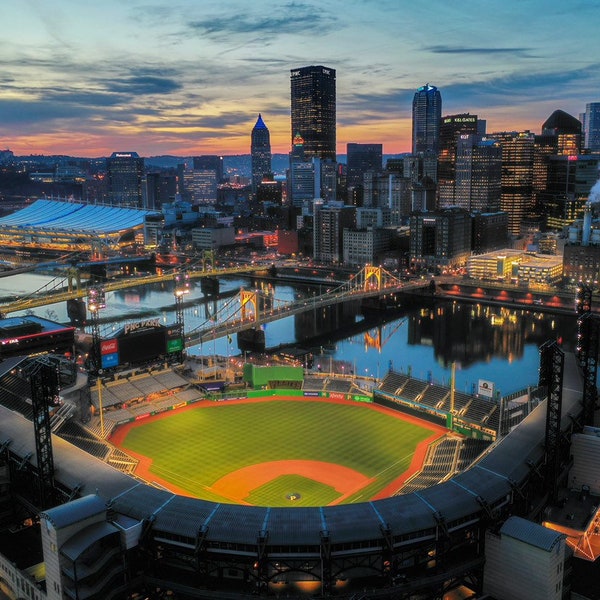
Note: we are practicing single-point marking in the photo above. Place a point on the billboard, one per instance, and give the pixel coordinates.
(141, 345)
(174, 339)
(485, 388)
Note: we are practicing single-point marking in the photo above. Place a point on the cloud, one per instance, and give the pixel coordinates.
(292, 18)
(441, 49)
(143, 85)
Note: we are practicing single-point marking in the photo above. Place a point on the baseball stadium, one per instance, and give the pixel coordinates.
(293, 483)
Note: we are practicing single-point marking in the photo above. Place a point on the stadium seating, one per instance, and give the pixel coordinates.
(392, 382)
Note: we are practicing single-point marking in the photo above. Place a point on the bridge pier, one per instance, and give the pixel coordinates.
(209, 286)
(251, 340)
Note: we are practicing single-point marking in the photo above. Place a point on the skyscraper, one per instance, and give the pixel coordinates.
(206, 175)
(361, 158)
(124, 174)
(260, 151)
(450, 129)
(517, 176)
(426, 116)
(592, 126)
(478, 174)
(313, 110)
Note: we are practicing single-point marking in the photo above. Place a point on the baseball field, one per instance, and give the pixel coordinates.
(279, 451)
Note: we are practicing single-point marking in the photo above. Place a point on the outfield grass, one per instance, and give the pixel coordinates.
(195, 448)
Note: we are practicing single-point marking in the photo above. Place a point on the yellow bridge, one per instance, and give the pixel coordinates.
(251, 309)
(69, 290)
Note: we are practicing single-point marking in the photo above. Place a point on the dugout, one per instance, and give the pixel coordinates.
(278, 377)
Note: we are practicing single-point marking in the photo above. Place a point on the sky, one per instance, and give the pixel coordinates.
(189, 77)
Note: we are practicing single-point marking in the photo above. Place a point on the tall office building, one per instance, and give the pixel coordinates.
(313, 110)
(450, 128)
(561, 136)
(124, 174)
(206, 176)
(160, 188)
(260, 152)
(568, 185)
(592, 126)
(361, 158)
(328, 232)
(517, 176)
(426, 117)
(478, 174)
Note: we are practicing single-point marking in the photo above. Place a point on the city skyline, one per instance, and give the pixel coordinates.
(188, 78)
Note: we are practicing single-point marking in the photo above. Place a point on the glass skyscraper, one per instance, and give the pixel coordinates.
(426, 118)
(592, 126)
(260, 152)
(124, 173)
(313, 110)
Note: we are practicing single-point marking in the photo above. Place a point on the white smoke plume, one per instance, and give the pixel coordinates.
(594, 196)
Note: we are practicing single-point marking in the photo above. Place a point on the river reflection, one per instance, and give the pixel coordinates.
(493, 343)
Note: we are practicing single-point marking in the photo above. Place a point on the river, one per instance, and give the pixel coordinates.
(494, 344)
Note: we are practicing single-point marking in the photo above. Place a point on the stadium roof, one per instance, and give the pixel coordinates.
(54, 215)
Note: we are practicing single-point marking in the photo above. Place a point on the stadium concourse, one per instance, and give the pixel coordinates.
(61, 226)
(111, 535)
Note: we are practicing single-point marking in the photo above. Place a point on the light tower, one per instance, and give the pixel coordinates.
(182, 287)
(96, 303)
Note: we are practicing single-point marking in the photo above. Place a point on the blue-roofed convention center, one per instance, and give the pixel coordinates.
(64, 226)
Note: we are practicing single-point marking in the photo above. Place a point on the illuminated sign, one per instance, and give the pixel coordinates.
(110, 360)
(469, 119)
(109, 346)
(295, 73)
(175, 345)
(147, 324)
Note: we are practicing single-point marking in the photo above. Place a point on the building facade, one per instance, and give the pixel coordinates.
(568, 184)
(451, 127)
(592, 127)
(329, 225)
(440, 239)
(124, 174)
(313, 110)
(517, 177)
(363, 246)
(524, 561)
(478, 174)
(361, 158)
(490, 231)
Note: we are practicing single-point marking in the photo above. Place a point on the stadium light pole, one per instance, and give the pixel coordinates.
(182, 287)
(96, 302)
(99, 381)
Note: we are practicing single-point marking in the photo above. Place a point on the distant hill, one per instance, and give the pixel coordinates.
(240, 164)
